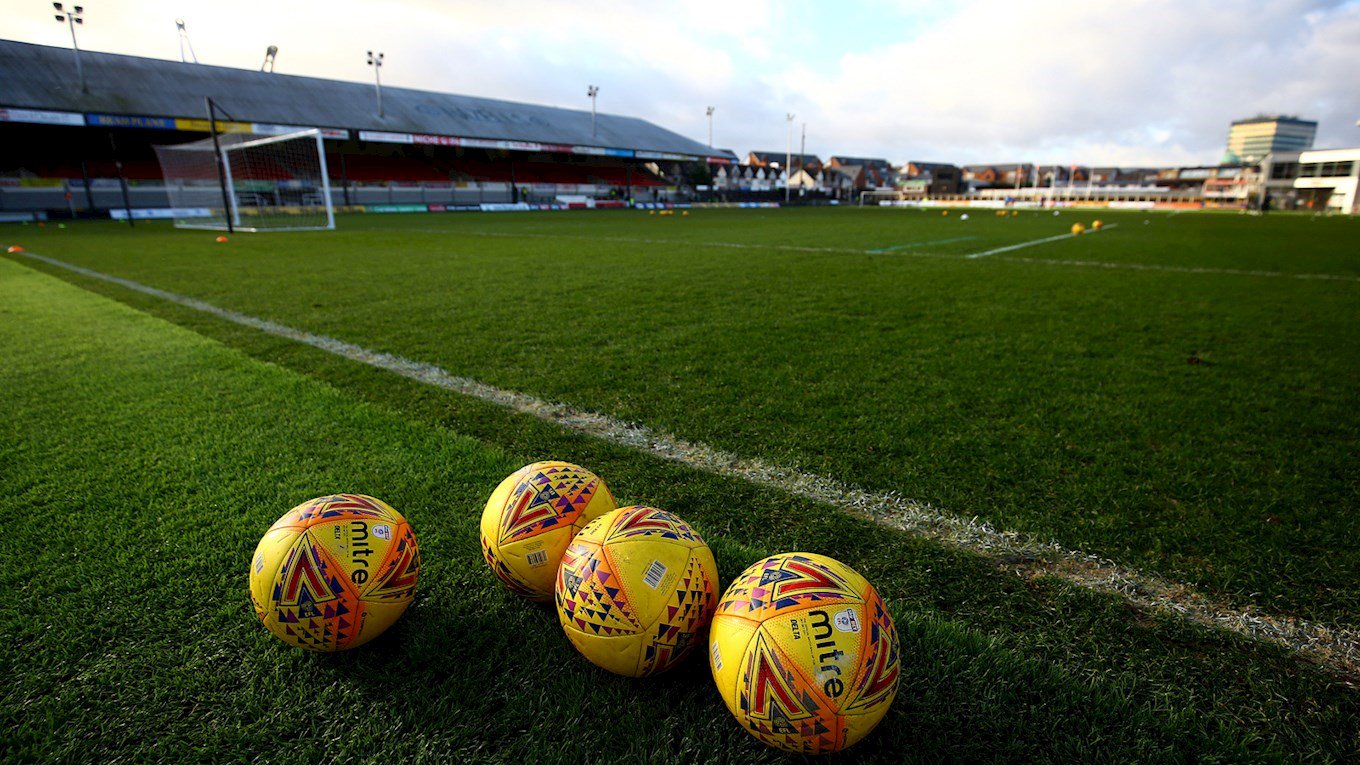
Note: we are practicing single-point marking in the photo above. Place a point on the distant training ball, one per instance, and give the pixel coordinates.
(15, 248)
(945, 213)
(334, 572)
(651, 212)
(964, 216)
(636, 591)
(1077, 228)
(1097, 225)
(531, 518)
(220, 239)
(804, 653)
(1015, 213)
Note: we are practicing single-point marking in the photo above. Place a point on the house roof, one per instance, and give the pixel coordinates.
(879, 164)
(779, 157)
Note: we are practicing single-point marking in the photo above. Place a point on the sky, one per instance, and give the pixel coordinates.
(1129, 82)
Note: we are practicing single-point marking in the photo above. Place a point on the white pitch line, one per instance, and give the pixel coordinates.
(909, 245)
(1036, 242)
(1332, 647)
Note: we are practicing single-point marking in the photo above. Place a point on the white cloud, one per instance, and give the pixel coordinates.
(1150, 81)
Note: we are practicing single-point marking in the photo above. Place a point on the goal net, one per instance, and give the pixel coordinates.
(273, 183)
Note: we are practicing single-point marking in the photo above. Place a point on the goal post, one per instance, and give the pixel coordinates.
(266, 183)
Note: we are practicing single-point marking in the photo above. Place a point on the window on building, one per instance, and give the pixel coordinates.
(1309, 169)
(1284, 171)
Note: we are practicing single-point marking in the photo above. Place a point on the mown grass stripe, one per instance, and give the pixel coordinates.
(1335, 649)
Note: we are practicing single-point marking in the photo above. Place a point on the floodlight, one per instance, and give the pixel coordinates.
(71, 19)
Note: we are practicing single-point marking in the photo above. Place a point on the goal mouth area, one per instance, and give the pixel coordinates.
(251, 183)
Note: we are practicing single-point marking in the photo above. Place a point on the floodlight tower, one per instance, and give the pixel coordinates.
(375, 61)
(185, 42)
(72, 18)
(709, 112)
(592, 91)
(788, 157)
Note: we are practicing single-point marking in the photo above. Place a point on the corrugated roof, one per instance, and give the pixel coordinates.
(43, 77)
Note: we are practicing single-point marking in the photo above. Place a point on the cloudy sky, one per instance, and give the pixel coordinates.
(1127, 82)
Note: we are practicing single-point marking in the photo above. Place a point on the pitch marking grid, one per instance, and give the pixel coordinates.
(1334, 648)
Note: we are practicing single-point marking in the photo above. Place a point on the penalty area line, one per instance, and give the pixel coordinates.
(1035, 242)
(896, 247)
(1336, 649)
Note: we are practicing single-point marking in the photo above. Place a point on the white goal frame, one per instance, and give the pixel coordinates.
(241, 220)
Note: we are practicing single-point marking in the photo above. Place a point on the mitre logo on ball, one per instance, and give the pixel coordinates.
(334, 572)
(804, 653)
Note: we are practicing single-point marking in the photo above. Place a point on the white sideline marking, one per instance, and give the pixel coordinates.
(1034, 242)
(1334, 648)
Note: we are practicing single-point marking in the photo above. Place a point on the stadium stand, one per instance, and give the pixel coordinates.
(60, 146)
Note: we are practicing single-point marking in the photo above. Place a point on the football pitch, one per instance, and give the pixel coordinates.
(982, 416)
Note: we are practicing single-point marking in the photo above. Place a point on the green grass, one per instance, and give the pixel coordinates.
(1055, 400)
(140, 461)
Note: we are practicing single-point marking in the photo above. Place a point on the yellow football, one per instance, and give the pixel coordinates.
(334, 572)
(531, 518)
(1077, 228)
(636, 590)
(804, 653)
